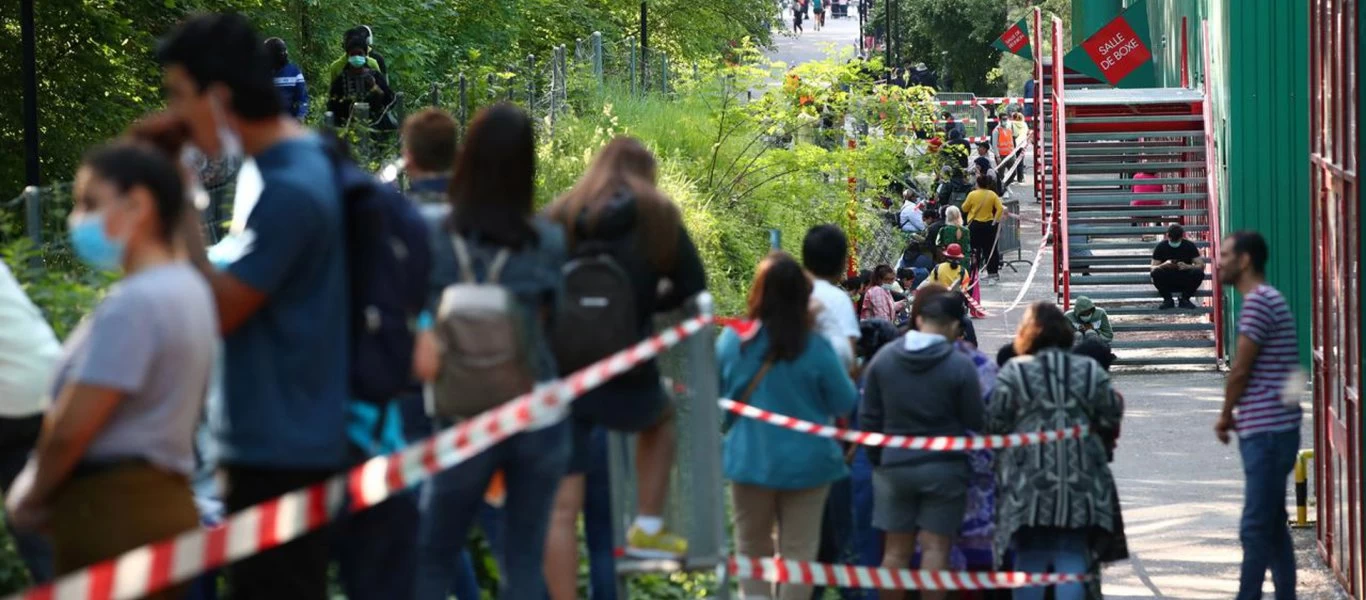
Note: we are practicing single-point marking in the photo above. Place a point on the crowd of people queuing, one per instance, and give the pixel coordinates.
(255, 353)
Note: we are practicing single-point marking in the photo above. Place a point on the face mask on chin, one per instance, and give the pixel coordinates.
(1174, 243)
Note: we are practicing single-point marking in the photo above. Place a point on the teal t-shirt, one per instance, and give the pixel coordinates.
(285, 369)
(815, 387)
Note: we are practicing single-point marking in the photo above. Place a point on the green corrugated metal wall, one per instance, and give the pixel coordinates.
(1260, 85)
(1268, 142)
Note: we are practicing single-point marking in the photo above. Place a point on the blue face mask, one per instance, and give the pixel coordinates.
(92, 246)
(356, 61)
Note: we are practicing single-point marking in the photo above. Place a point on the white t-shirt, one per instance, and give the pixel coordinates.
(836, 319)
(28, 351)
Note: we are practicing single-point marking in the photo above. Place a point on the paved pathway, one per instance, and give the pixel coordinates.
(815, 45)
(1180, 489)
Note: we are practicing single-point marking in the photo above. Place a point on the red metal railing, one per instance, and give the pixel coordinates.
(1212, 202)
(1040, 184)
(1060, 169)
(1336, 321)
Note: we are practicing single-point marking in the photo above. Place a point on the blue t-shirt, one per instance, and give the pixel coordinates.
(284, 383)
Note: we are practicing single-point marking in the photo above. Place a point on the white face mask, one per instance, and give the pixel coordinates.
(229, 144)
(191, 158)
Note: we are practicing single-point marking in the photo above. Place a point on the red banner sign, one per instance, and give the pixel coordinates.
(1117, 50)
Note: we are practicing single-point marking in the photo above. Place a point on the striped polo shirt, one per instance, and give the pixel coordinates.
(1266, 320)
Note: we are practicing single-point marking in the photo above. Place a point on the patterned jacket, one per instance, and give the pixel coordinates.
(1065, 484)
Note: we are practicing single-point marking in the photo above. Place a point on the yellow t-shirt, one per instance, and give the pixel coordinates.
(947, 274)
(982, 205)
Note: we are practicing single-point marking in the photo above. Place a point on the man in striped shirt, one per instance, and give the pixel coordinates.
(1268, 424)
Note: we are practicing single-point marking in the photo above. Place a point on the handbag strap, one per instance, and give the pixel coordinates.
(754, 383)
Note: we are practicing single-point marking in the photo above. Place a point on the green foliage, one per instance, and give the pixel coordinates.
(60, 287)
(951, 36)
(97, 71)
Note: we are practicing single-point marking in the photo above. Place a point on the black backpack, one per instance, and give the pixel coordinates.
(388, 258)
(597, 314)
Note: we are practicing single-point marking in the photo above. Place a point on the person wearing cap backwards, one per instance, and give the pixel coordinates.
(1177, 268)
(1090, 321)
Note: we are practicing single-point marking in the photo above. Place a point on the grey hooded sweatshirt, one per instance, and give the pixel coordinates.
(920, 386)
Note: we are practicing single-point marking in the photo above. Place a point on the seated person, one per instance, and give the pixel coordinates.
(1177, 268)
(911, 218)
(358, 82)
(1090, 321)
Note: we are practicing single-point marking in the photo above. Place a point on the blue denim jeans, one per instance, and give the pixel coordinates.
(533, 464)
(1044, 549)
(597, 520)
(864, 541)
(374, 550)
(1267, 461)
(466, 579)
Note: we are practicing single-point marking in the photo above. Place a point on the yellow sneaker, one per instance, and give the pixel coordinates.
(662, 545)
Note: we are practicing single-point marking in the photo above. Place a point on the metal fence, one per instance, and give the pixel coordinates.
(696, 507)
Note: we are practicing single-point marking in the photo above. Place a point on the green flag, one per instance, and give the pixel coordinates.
(1120, 54)
(1015, 40)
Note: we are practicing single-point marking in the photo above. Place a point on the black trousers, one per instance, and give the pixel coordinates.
(18, 435)
(984, 251)
(294, 571)
(1177, 281)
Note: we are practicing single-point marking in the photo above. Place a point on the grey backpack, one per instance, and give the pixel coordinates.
(485, 360)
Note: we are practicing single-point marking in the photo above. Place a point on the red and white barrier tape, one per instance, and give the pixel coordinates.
(940, 443)
(1033, 268)
(980, 101)
(156, 566)
(779, 570)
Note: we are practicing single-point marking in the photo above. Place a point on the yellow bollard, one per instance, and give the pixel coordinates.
(1302, 490)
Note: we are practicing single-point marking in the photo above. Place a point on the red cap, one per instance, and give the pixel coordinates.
(953, 251)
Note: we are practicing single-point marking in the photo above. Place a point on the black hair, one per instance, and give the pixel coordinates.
(1253, 245)
(780, 298)
(852, 284)
(905, 273)
(129, 164)
(824, 251)
(1097, 350)
(494, 181)
(943, 309)
(278, 51)
(881, 272)
(1176, 230)
(224, 49)
(984, 181)
(354, 34)
(1004, 355)
(986, 145)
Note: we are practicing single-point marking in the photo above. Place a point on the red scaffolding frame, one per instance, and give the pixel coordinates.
(1336, 325)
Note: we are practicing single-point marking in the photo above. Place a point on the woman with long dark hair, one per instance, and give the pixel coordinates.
(779, 476)
(1047, 388)
(616, 210)
(493, 232)
(112, 466)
